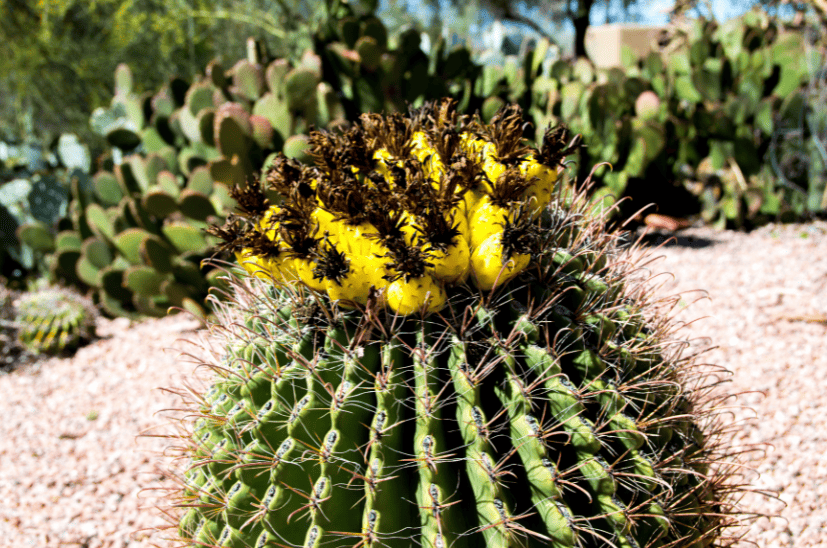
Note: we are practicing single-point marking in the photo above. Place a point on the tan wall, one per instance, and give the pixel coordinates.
(604, 43)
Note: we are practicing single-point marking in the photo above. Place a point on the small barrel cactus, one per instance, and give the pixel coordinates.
(432, 346)
(54, 319)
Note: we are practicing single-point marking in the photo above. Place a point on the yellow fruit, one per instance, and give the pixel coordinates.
(460, 220)
(490, 267)
(361, 240)
(487, 219)
(304, 272)
(492, 169)
(328, 226)
(283, 269)
(418, 294)
(375, 271)
(428, 156)
(372, 265)
(420, 146)
(471, 200)
(345, 236)
(267, 268)
(453, 264)
(434, 170)
(254, 265)
(542, 179)
(324, 220)
(383, 161)
(267, 225)
(353, 287)
(408, 229)
(475, 146)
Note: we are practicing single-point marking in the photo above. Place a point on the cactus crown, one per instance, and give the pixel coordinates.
(398, 199)
(417, 358)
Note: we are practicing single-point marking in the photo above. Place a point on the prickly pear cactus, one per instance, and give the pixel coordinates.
(54, 319)
(434, 346)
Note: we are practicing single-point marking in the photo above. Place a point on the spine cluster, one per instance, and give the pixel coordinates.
(402, 208)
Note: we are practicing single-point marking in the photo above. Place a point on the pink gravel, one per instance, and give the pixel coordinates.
(77, 472)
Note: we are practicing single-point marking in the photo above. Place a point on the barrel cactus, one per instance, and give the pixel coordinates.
(432, 345)
(54, 319)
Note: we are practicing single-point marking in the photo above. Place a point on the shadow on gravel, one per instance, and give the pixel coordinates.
(654, 239)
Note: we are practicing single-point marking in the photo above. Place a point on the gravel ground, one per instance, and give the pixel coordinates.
(76, 470)
(762, 312)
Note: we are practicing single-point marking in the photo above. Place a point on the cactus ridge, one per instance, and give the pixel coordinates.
(550, 410)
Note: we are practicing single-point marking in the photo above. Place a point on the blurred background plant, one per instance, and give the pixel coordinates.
(798, 150)
(34, 201)
(59, 54)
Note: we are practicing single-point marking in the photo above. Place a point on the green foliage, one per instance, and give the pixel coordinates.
(136, 234)
(138, 225)
(57, 51)
(34, 201)
(510, 417)
(52, 320)
(798, 151)
(373, 72)
(136, 237)
(687, 128)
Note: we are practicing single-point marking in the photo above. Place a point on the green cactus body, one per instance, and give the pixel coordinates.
(537, 410)
(51, 320)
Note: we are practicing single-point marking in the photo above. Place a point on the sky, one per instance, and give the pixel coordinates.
(647, 12)
(655, 11)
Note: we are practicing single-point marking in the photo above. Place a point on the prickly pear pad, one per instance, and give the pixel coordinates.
(549, 409)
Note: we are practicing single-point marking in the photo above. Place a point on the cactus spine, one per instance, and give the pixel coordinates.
(519, 398)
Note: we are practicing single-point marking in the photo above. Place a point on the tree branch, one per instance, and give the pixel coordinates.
(267, 26)
(820, 6)
(517, 18)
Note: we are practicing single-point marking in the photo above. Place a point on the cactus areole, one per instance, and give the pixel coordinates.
(431, 348)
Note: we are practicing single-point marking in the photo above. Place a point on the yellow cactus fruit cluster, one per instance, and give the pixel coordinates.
(277, 262)
(400, 209)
